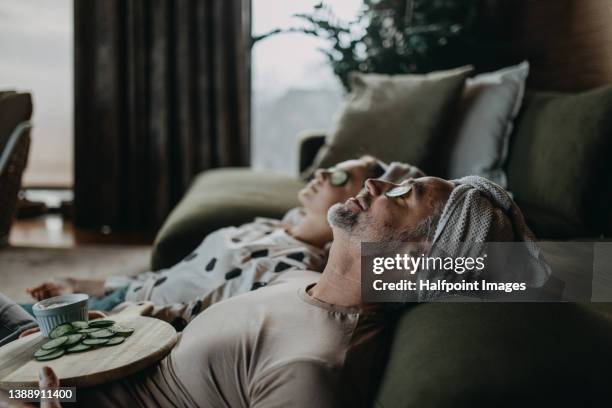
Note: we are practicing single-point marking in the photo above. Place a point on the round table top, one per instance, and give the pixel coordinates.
(151, 341)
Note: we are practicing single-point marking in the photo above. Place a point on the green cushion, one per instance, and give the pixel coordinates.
(559, 165)
(395, 118)
(498, 355)
(219, 198)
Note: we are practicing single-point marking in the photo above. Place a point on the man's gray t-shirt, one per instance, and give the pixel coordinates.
(273, 347)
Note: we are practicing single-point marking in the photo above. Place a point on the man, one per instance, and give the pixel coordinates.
(235, 260)
(301, 341)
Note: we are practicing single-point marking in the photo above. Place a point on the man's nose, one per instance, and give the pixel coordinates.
(378, 187)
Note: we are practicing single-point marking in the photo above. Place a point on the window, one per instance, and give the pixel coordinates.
(294, 88)
(37, 47)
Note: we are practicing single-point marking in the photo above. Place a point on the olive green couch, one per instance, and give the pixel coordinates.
(472, 354)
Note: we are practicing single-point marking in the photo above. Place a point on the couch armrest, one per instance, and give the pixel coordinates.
(310, 142)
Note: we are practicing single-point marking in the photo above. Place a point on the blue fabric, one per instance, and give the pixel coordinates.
(105, 303)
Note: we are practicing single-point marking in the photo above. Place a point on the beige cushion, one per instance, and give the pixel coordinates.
(395, 118)
(485, 116)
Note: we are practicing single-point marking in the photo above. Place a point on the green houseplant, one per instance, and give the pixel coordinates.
(397, 36)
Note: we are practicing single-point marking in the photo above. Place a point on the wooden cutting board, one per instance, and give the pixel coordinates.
(151, 341)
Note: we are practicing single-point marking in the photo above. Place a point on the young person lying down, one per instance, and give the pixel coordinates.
(308, 339)
(235, 260)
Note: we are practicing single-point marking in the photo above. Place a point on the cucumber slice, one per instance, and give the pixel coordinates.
(55, 343)
(51, 356)
(80, 324)
(101, 334)
(60, 330)
(94, 342)
(73, 339)
(78, 348)
(42, 352)
(89, 330)
(121, 331)
(114, 341)
(101, 323)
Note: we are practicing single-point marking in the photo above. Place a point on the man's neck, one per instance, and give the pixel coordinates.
(313, 230)
(340, 282)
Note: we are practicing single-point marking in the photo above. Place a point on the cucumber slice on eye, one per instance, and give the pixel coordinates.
(398, 191)
(101, 323)
(61, 330)
(101, 334)
(114, 341)
(78, 348)
(42, 352)
(51, 356)
(73, 339)
(338, 178)
(94, 342)
(80, 324)
(55, 343)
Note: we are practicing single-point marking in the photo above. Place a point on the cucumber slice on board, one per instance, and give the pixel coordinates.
(101, 323)
(78, 348)
(94, 342)
(55, 343)
(60, 330)
(101, 334)
(121, 331)
(89, 330)
(51, 356)
(114, 341)
(73, 339)
(80, 324)
(42, 352)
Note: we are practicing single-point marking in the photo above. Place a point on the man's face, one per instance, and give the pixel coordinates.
(373, 216)
(321, 193)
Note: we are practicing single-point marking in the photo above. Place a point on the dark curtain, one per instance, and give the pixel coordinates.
(162, 92)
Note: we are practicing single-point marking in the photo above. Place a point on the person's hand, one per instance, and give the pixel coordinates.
(63, 286)
(52, 288)
(47, 380)
(92, 314)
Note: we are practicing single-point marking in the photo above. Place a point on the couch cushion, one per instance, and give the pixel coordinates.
(14, 109)
(393, 117)
(219, 198)
(498, 355)
(483, 123)
(559, 164)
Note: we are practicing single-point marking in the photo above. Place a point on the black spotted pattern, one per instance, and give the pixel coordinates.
(137, 289)
(258, 285)
(190, 257)
(211, 265)
(160, 281)
(179, 323)
(196, 308)
(234, 273)
(298, 256)
(235, 239)
(260, 254)
(281, 266)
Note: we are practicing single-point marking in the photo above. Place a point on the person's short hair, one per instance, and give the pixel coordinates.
(374, 168)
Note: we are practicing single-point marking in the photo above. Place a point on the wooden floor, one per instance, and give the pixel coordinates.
(52, 231)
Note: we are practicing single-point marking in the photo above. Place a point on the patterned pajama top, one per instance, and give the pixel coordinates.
(229, 261)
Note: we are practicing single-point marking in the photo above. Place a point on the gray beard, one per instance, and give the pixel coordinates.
(341, 217)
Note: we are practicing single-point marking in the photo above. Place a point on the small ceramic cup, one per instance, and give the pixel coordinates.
(73, 307)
